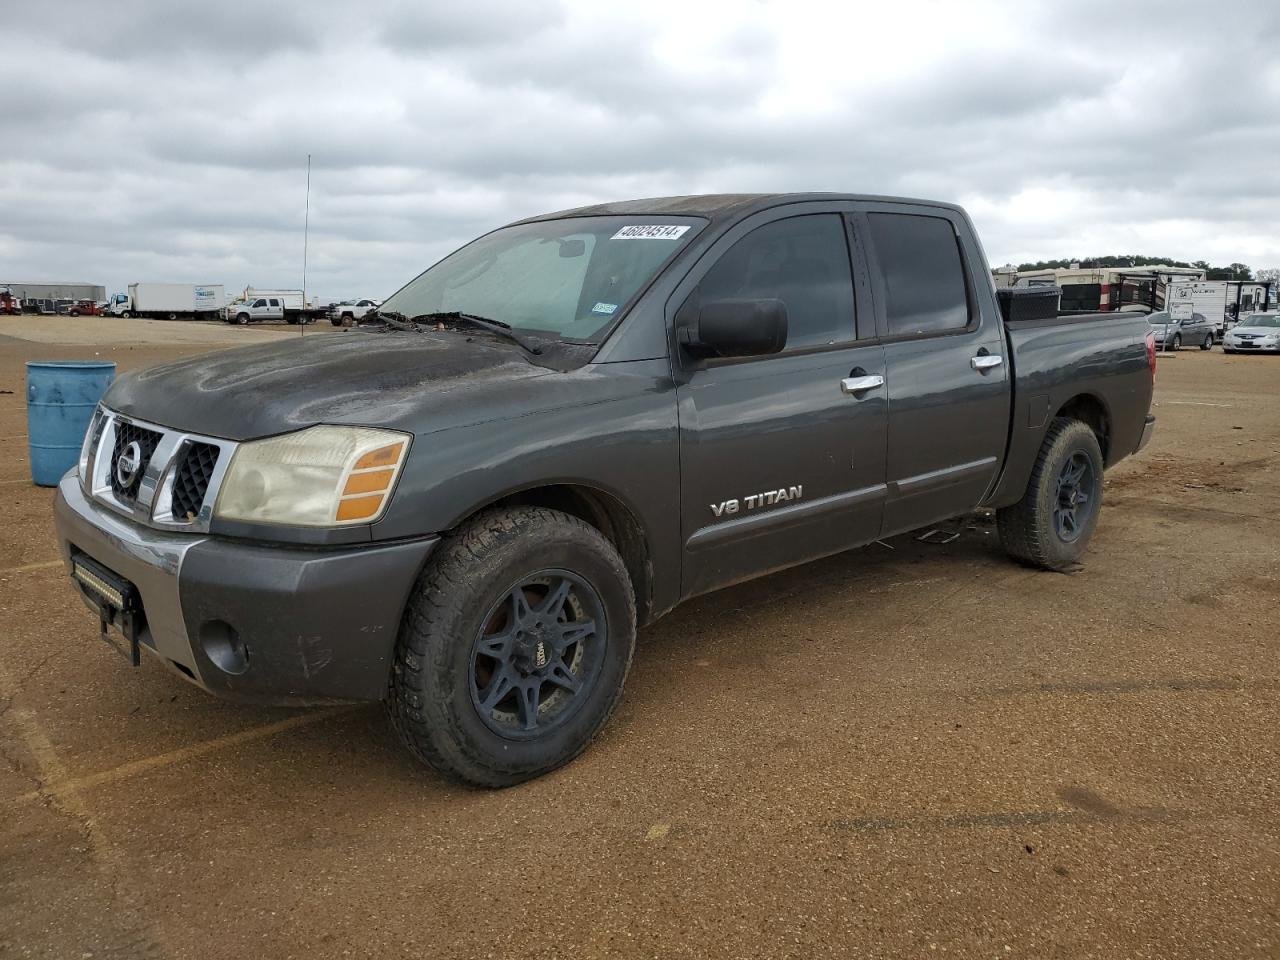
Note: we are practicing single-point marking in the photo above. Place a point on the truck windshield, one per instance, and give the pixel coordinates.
(567, 278)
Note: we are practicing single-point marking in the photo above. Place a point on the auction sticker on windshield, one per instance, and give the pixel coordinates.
(656, 231)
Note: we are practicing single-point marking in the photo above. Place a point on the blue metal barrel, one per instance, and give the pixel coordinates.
(61, 395)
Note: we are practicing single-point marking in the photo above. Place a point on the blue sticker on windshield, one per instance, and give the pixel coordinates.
(604, 308)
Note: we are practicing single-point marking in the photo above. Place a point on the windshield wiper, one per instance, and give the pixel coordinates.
(493, 326)
(393, 319)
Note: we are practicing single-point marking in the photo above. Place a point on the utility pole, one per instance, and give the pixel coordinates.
(306, 227)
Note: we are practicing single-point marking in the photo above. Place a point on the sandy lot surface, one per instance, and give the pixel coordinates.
(905, 752)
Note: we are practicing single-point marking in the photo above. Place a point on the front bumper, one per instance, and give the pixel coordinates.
(1250, 346)
(253, 622)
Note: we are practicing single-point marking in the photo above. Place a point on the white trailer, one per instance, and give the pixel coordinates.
(169, 301)
(1219, 300)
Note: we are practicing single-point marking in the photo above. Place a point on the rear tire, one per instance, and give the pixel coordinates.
(1177, 341)
(1051, 526)
(475, 620)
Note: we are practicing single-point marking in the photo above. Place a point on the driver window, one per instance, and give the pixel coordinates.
(802, 261)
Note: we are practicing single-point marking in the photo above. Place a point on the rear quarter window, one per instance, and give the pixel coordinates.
(923, 280)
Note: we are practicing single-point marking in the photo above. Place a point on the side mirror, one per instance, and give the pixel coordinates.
(737, 328)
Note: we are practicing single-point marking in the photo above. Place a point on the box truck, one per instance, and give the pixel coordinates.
(169, 301)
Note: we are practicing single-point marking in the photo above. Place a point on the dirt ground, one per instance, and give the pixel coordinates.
(909, 750)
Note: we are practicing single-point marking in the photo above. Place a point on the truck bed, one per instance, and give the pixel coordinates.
(1095, 365)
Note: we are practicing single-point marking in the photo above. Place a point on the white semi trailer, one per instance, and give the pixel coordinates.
(169, 301)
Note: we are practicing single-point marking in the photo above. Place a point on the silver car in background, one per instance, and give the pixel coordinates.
(1197, 331)
(1256, 333)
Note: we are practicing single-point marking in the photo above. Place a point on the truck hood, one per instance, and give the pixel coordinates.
(417, 382)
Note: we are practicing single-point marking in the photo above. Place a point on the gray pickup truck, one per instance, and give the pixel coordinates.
(466, 506)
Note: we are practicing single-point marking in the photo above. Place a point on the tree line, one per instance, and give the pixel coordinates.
(1232, 271)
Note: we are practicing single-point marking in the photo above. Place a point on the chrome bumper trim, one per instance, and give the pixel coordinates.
(149, 559)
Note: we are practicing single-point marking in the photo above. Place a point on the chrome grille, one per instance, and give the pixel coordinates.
(177, 485)
(147, 440)
(191, 481)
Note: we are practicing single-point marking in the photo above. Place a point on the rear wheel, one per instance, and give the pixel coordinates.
(1177, 341)
(1052, 524)
(514, 647)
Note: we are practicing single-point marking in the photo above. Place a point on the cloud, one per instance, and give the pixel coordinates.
(168, 141)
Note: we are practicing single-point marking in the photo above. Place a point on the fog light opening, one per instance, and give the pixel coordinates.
(223, 646)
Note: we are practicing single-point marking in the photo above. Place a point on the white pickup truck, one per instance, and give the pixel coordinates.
(349, 311)
(288, 305)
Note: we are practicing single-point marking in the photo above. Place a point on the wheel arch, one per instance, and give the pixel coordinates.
(604, 510)
(1093, 411)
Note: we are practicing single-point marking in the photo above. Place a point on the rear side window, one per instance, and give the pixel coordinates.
(920, 273)
(802, 261)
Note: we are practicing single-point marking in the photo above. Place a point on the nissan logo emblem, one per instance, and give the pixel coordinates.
(129, 464)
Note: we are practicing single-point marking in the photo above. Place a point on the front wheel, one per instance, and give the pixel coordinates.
(1052, 524)
(242, 319)
(514, 647)
(1208, 342)
(127, 314)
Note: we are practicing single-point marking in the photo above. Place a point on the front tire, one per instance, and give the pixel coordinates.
(1051, 526)
(1208, 342)
(514, 647)
(242, 319)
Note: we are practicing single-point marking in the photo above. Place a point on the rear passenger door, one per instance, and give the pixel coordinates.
(947, 375)
(778, 463)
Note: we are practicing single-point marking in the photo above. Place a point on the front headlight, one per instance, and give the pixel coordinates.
(319, 477)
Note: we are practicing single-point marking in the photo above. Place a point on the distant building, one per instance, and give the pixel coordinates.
(56, 291)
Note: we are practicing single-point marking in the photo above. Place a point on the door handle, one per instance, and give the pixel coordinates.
(984, 362)
(856, 385)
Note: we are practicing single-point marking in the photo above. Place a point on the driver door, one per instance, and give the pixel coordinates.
(779, 464)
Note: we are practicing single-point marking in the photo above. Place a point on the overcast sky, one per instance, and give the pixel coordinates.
(167, 141)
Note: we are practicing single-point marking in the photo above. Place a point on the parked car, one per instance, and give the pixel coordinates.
(564, 429)
(1171, 334)
(1256, 333)
(350, 311)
